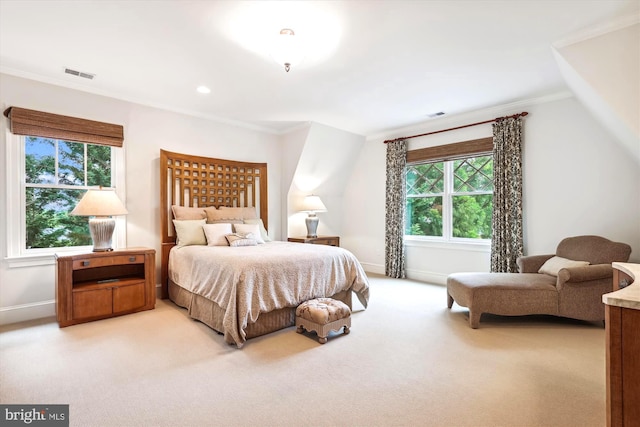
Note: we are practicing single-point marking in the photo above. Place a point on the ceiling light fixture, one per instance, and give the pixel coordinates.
(287, 50)
(203, 89)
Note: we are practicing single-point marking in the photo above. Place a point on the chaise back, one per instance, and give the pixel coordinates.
(595, 249)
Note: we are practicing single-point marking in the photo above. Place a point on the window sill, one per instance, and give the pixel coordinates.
(465, 245)
(42, 258)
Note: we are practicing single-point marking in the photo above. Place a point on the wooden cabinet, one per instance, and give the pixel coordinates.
(320, 240)
(623, 360)
(98, 285)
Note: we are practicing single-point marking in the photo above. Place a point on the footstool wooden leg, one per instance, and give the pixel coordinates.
(346, 330)
(322, 340)
(449, 300)
(300, 329)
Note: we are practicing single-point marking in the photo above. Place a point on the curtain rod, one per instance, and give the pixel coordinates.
(524, 113)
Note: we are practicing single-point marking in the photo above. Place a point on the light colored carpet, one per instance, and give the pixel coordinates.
(408, 361)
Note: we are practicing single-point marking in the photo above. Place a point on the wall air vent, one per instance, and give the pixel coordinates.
(79, 73)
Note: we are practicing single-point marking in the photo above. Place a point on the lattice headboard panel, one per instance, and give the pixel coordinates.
(196, 181)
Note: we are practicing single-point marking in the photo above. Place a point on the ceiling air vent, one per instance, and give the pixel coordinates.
(439, 113)
(79, 73)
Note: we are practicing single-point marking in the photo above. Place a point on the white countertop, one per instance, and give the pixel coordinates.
(628, 297)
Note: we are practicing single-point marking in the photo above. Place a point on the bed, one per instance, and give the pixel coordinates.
(239, 291)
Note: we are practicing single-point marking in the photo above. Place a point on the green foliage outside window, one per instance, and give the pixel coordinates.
(52, 169)
(470, 198)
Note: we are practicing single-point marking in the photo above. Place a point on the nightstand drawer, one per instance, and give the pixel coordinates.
(79, 264)
(330, 241)
(319, 240)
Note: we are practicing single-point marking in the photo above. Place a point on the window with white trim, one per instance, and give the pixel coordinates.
(46, 178)
(450, 200)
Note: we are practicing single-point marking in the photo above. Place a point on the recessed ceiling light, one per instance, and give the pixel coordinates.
(203, 89)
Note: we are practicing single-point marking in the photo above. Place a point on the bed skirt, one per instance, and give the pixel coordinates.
(211, 314)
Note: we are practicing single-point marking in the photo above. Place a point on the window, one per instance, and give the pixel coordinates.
(46, 178)
(56, 174)
(47, 174)
(450, 199)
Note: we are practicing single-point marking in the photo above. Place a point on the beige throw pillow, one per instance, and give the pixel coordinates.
(553, 265)
(215, 234)
(239, 239)
(249, 228)
(263, 231)
(186, 213)
(190, 232)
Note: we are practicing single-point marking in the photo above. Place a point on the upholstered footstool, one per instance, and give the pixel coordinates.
(322, 315)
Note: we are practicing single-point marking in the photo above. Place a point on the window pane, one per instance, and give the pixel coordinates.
(39, 160)
(70, 163)
(48, 224)
(425, 179)
(424, 216)
(99, 165)
(472, 216)
(473, 174)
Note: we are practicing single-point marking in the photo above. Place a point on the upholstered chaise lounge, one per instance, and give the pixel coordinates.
(569, 283)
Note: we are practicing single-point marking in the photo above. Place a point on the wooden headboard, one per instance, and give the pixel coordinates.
(196, 181)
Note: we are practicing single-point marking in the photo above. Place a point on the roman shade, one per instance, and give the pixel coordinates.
(451, 151)
(37, 123)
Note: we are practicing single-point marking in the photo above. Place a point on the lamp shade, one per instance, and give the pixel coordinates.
(313, 203)
(99, 203)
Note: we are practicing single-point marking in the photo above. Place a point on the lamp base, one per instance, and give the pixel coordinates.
(101, 229)
(312, 225)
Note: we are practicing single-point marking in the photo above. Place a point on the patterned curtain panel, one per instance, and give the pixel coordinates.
(395, 209)
(506, 241)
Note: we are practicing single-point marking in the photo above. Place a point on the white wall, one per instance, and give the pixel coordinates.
(578, 179)
(604, 73)
(28, 292)
(323, 167)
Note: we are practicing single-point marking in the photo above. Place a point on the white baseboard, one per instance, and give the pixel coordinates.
(427, 276)
(419, 275)
(24, 312)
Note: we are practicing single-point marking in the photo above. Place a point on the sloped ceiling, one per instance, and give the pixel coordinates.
(369, 66)
(603, 72)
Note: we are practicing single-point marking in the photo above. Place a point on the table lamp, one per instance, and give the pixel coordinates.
(100, 205)
(312, 204)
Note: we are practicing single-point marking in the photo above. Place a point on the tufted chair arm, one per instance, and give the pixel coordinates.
(584, 274)
(531, 263)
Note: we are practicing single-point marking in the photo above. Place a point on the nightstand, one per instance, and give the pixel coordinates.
(320, 240)
(98, 285)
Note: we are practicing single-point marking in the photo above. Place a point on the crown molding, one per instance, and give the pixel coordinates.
(598, 30)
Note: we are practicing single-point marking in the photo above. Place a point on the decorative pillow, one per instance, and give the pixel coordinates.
(241, 239)
(243, 213)
(553, 265)
(216, 216)
(190, 232)
(249, 228)
(215, 234)
(186, 213)
(263, 231)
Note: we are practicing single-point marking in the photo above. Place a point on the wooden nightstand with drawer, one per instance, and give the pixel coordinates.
(98, 285)
(320, 240)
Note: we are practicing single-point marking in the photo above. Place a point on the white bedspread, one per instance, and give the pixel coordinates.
(246, 281)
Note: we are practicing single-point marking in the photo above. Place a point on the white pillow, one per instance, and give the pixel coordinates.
(215, 234)
(190, 232)
(553, 265)
(263, 231)
(249, 228)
